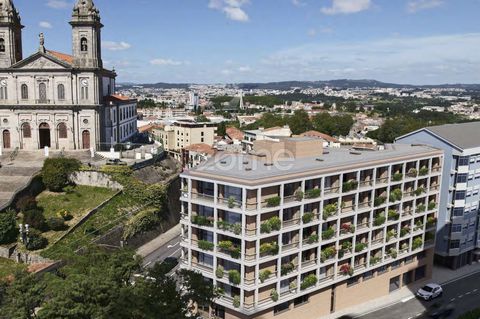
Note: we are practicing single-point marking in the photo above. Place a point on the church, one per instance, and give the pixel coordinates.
(57, 100)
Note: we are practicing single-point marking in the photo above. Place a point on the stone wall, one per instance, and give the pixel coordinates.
(96, 179)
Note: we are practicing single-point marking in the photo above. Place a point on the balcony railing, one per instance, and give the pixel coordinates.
(289, 247)
(291, 222)
(203, 197)
(42, 101)
(382, 180)
(366, 184)
(331, 190)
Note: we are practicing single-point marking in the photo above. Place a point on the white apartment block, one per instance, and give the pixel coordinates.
(309, 237)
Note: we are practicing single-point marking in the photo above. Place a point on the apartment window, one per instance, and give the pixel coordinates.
(205, 259)
(281, 308)
(368, 275)
(463, 161)
(202, 140)
(382, 270)
(396, 264)
(456, 228)
(460, 195)
(408, 260)
(462, 178)
(300, 300)
(458, 211)
(420, 273)
(421, 255)
(394, 283)
(455, 244)
(407, 278)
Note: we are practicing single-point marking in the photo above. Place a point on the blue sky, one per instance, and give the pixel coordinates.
(227, 41)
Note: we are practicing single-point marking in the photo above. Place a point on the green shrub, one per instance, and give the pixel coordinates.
(379, 201)
(266, 228)
(219, 272)
(272, 224)
(273, 201)
(393, 215)
(299, 195)
(274, 295)
(327, 253)
(225, 244)
(26, 203)
(423, 171)
(397, 177)
(474, 314)
(142, 222)
(287, 268)
(360, 247)
(236, 301)
(329, 233)
(374, 260)
(65, 215)
(313, 239)
(8, 227)
(417, 243)
(201, 220)
(205, 245)
(231, 202)
(234, 277)
(396, 195)
(412, 172)
(307, 217)
(350, 185)
(35, 219)
(404, 231)
(309, 281)
(56, 172)
(379, 220)
(269, 248)
(35, 240)
(313, 193)
(432, 205)
(393, 253)
(419, 191)
(264, 275)
(329, 210)
(56, 224)
(421, 208)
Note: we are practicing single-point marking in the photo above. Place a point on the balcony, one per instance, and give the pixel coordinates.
(42, 101)
(203, 197)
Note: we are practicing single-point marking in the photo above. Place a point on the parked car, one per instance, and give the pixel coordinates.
(169, 263)
(439, 311)
(116, 162)
(429, 292)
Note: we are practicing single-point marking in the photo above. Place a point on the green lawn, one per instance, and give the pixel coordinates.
(78, 202)
(8, 267)
(100, 223)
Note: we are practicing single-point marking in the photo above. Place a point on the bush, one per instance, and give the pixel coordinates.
(312, 239)
(26, 203)
(56, 224)
(350, 185)
(35, 219)
(274, 295)
(397, 177)
(273, 201)
(142, 222)
(205, 245)
(309, 281)
(299, 195)
(264, 275)
(234, 277)
(360, 247)
(346, 270)
(327, 253)
(35, 240)
(8, 227)
(329, 233)
(329, 210)
(307, 217)
(56, 172)
(379, 220)
(396, 195)
(272, 224)
(65, 215)
(379, 201)
(393, 215)
(269, 248)
(219, 272)
(236, 301)
(313, 193)
(287, 268)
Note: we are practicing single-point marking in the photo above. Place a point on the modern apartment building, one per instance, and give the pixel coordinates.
(182, 134)
(458, 240)
(312, 233)
(271, 134)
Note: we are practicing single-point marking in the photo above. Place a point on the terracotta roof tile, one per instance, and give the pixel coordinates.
(234, 133)
(201, 148)
(317, 134)
(61, 56)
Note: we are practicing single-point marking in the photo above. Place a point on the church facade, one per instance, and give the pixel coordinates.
(59, 100)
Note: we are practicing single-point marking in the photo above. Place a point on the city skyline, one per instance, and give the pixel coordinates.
(228, 41)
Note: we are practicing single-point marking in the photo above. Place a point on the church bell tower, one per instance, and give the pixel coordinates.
(86, 28)
(10, 34)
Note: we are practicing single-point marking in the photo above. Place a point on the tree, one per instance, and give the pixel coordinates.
(56, 172)
(202, 119)
(299, 122)
(222, 129)
(8, 227)
(197, 289)
(23, 296)
(333, 125)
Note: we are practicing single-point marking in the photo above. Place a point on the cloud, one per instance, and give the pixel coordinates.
(325, 30)
(231, 8)
(167, 62)
(298, 3)
(58, 4)
(45, 25)
(347, 6)
(116, 46)
(452, 58)
(418, 5)
(244, 69)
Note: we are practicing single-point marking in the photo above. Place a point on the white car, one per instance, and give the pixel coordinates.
(430, 292)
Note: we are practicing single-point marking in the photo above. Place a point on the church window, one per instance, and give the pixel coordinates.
(62, 130)
(61, 92)
(26, 130)
(2, 45)
(24, 93)
(42, 92)
(84, 93)
(83, 45)
(3, 93)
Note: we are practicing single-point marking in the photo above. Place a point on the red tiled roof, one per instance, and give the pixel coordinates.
(234, 133)
(121, 97)
(201, 148)
(61, 56)
(317, 134)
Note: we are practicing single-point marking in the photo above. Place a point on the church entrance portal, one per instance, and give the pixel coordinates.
(44, 135)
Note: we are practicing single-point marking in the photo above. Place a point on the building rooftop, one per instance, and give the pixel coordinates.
(464, 135)
(250, 169)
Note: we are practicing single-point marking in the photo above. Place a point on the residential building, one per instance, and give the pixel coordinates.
(121, 121)
(195, 154)
(181, 134)
(53, 99)
(328, 141)
(458, 231)
(273, 133)
(313, 233)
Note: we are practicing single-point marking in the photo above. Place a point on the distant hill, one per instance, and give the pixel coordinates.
(288, 85)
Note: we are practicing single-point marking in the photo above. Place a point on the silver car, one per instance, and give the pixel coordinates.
(430, 292)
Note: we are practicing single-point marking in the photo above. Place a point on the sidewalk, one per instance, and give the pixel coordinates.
(160, 241)
(440, 275)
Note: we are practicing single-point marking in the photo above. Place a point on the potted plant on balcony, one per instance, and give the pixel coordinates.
(299, 195)
(307, 217)
(397, 177)
(375, 260)
(329, 233)
(347, 228)
(379, 219)
(417, 243)
(309, 281)
(360, 247)
(350, 185)
(412, 172)
(287, 268)
(346, 269)
(329, 210)
(236, 301)
(379, 201)
(393, 215)
(313, 193)
(274, 295)
(269, 248)
(312, 239)
(419, 191)
(234, 277)
(432, 205)
(431, 221)
(264, 275)
(391, 234)
(393, 253)
(404, 231)
(327, 253)
(231, 202)
(205, 245)
(423, 171)
(219, 272)
(396, 195)
(273, 201)
(293, 286)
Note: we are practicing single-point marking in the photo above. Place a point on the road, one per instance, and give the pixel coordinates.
(464, 294)
(170, 249)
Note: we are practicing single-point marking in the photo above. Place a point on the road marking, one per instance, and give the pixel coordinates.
(453, 299)
(418, 314)
(460, 296)
(175, 252)
(148, 263)
(171, 246)
(468, 293)
(475, 290)
(407, 299)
